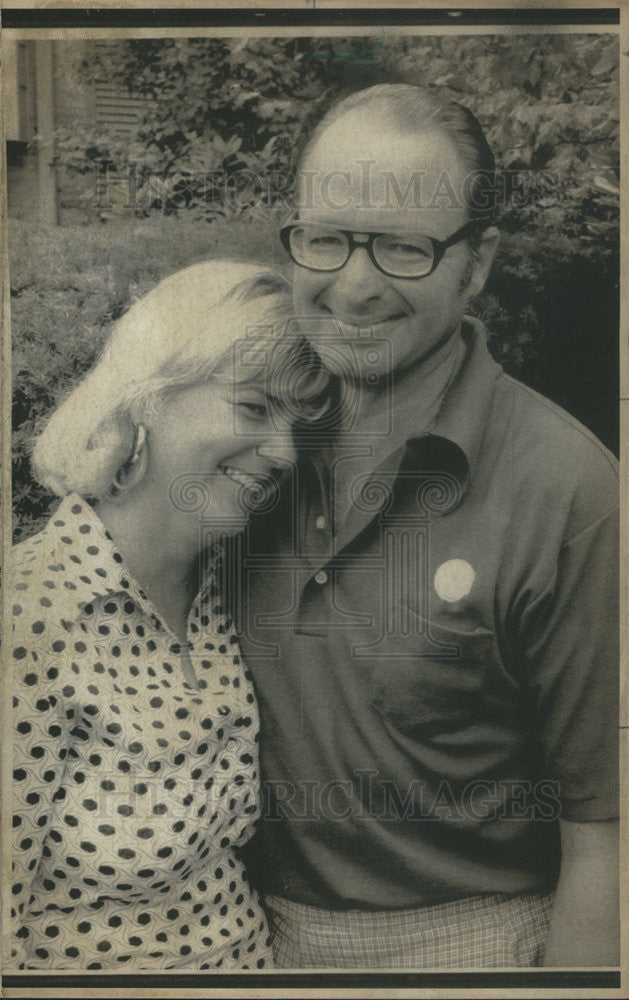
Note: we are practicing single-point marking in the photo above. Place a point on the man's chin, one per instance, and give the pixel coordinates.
(355, 357)
(341, 357)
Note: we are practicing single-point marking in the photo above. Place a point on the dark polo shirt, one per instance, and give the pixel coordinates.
(438, 681)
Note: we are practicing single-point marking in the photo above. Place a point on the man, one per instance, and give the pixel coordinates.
(430, 611)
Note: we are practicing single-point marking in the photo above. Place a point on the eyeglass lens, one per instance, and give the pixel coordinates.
(326, 249)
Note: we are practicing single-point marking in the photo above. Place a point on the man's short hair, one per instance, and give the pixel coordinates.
(415, 110)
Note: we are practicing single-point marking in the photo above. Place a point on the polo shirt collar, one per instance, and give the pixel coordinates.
(458, 423)
(76, 539)
(462, 416)
(93, 568)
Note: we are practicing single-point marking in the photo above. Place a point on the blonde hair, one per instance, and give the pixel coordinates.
(184, 331)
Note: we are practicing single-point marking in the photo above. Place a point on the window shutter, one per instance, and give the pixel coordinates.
(117, 111)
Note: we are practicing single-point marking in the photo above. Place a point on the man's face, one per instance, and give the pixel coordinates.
(356, 177)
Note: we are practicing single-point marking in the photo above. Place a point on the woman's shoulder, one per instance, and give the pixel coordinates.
(43, 581)
(33, 614)
(59, 548)
(28, 561)
(58, 574)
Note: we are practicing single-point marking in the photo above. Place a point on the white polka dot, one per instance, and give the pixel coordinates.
(454, 579)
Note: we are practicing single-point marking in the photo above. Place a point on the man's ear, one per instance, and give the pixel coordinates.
(484, 258)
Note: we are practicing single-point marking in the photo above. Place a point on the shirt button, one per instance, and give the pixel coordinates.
(320, 523)
(321, 577)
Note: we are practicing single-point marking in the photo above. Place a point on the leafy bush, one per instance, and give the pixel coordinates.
(238, 110)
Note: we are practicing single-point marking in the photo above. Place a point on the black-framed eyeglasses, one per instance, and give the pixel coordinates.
(320, 246)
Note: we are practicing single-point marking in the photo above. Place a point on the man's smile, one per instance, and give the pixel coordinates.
(362, 322)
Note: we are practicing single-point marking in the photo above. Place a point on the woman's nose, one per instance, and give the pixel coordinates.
(279, 447)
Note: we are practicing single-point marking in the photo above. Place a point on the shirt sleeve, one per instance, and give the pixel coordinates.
(40, 746)
(571, 637)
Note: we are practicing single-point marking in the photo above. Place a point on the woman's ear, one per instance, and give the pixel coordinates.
(132, 472)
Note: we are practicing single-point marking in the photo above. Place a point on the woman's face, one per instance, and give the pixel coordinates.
(214, 451)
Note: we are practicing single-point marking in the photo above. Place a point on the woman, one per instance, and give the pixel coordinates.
(136, 727)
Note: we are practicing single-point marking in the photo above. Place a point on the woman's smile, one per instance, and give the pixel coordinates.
(241, 477)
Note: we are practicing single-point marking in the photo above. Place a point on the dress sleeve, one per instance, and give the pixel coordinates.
(570, 639)
(40, 746)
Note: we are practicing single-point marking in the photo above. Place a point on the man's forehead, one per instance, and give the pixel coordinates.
(366, 130)
(373, 174)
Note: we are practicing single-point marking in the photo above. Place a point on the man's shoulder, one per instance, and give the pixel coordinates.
(551, 450)
(547, 428)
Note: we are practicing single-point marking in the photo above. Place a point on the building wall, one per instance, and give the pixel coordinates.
(22, 185)
(51, 99)
(20, 127)
(74, 108)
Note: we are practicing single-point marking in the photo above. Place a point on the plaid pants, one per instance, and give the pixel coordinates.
(479, 932)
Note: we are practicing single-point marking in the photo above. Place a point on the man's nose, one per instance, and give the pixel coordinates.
(359, 280)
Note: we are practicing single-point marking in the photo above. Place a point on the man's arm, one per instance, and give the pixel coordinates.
(585, 925)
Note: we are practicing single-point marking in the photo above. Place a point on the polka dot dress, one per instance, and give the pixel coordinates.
(133, 788)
